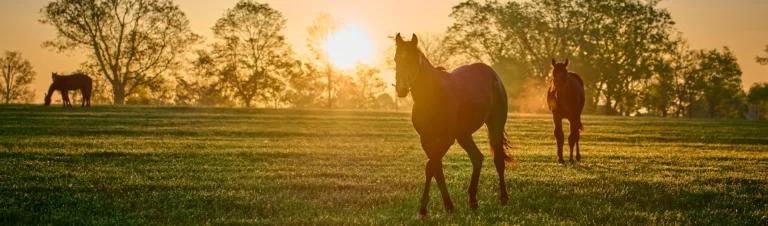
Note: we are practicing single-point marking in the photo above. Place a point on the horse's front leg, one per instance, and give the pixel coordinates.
(434, 169)
(430, 172)
(573, 139)
(440, 178)
(560, 136)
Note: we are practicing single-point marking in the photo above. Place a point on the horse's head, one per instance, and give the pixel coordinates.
(407, 64)
(47, 99)
(559, 74)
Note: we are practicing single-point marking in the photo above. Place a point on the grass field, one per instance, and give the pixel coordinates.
(152, 165)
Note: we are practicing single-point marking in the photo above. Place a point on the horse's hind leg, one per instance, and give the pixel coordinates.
(470, 147)
(496, 137)
(578, 155)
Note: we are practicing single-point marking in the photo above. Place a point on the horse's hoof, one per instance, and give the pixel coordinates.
(474, 205)
(578, 158)
(561, 161)
(421, 215)
(504, 198)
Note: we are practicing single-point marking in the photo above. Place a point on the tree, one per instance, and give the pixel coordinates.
(134, 42)
(17, 74)
(477, 33)
(360, 90)
(201, 85)
(758, 95)
(614, 45)
(252, 49)
(682, 61)
(305, 86)
(102, 91)
(763, 60)
(318, 32)
(660, 93)
(370, 85)
(721, 82)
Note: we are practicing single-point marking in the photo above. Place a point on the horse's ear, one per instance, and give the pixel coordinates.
(399, 39)
(414, 40)
(553, 62)
(566, 62)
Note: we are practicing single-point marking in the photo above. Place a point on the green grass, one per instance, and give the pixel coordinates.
(152, 165)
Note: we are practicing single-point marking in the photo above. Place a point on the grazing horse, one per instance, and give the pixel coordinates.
(566, 101)
(449, 107)
(64, 84)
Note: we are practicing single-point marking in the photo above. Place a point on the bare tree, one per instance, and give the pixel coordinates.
(133, 42)
(252, 49)
(318, 32)
(17, 73)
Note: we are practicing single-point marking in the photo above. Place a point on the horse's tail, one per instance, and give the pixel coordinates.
(500, 142)
(505, 150)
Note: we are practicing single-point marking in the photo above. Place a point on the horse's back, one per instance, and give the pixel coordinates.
(478, 90)
(75, 81)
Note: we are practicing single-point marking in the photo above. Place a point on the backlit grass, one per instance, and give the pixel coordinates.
(152, 165)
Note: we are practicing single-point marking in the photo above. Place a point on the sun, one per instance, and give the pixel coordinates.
(348, 46)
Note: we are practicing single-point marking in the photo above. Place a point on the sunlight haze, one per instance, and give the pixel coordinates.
(738, 24)
(350, 45)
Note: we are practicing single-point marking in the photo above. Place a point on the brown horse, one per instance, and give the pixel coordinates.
(566, 101)
(65, 83)
(449, 107)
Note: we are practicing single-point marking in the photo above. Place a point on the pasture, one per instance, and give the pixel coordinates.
(153, 165)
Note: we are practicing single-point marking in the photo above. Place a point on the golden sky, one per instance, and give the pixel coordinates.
(738, 24)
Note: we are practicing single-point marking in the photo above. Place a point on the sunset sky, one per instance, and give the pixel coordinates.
(738, 24)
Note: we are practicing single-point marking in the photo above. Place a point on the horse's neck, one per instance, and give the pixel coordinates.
(427, 83)
(51, 89)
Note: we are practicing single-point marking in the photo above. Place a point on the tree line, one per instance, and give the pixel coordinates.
(629, 53)
(631, 57)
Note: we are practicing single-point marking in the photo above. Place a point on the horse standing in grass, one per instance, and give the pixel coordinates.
(70, 82)
(566, 101)
(450, 107)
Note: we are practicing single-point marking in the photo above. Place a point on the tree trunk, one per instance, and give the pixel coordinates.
(7, 92)
(247, 101)
(8, 80)
(118, 93)
(690, 105)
